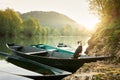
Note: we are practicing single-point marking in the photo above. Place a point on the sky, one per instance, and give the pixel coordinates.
(78, 10)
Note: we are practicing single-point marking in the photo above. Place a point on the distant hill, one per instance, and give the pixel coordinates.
(52, 19)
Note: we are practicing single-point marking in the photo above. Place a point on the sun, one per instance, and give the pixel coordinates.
(91, 23)
(88, 21)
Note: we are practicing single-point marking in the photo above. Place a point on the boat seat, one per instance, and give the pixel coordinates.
(39, 53)
(52, 50)
(17, 47)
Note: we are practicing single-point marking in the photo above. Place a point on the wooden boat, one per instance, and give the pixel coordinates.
(46, 72)
(27, 49)
(40, 50)
(61, 59)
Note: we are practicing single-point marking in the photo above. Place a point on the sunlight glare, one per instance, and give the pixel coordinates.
(91, 23)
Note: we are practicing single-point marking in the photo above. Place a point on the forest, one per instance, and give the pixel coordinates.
(14, 24)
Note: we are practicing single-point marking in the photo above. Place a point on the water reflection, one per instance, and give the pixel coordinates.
(7, 67)
(9, 71)
(7, 76)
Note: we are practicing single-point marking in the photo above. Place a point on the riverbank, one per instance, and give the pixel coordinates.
(96, 71)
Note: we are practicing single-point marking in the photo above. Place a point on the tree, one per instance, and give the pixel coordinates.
(67, 30)
(31, 26)
(105, 8)
(55, 32)
(43, 31)
(2, 24)
(47, 30)
(10, 22)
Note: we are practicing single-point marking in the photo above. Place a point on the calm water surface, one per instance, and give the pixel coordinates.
(51, 40)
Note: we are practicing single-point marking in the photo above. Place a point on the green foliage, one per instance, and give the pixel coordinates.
(55, 32)
(105, 8)
(10, 22)
(58, 24)
(108, 30)
(37, 23)
(67, 30)
(31, 27)
(109, 26)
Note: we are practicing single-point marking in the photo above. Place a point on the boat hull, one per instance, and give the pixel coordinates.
(66, 64)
